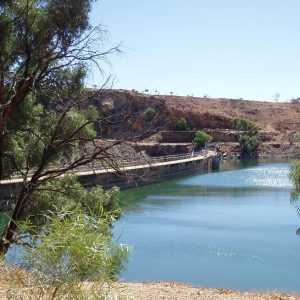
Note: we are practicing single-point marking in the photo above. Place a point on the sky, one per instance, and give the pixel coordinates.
(220, 48)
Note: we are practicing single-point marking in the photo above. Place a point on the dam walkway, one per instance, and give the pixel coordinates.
(126, 176)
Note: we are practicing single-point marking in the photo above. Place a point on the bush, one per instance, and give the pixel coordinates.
(249, 138)
(149, 113)
(182, 125)
(249, 143)
(91, 113)
(201, 138)
(158, 138)
(240, 124)
(66, 242)
(294, 176)
(295, 100)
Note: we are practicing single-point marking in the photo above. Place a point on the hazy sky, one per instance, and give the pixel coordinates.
(222, 48)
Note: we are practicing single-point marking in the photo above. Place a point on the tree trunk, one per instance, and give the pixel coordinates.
(1, 149)
(15, 218)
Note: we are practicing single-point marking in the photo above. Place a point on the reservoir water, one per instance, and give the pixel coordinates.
(234, 228)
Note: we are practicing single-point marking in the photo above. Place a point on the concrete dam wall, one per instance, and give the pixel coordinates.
(128, 177)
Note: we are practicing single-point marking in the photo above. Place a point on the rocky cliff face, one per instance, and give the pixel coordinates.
(278, 122)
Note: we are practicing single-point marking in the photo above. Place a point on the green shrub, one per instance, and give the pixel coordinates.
(149, 113)
(182, 124)
(68, 242)
(240, 124)
(294, 176)
(91, 113)
(248, 136)
(201, 138)
(249, 143)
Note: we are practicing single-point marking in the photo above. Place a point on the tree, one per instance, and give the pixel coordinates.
(247, 136)
(276, 97)
(240, 124)
(294, 176)
(40, 40)
(182, 124)
(91, 113)
(201, 138)
(46, 48)
(149, 113)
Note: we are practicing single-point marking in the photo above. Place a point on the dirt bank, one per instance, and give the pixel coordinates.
(157, 291)
(179, 291)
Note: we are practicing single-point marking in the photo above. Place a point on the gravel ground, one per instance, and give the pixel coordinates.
(179, 291)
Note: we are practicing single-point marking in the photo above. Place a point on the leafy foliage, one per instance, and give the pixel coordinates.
(76, 244)
(294, 176)
(249, 143)
(182, 124)
(202, 137)
(149, 113)
(70, 239)
(67, 193)
(25, 145)
(91, 113)
(248, 136)
(46, 49)
(244, 125)
(20, 136)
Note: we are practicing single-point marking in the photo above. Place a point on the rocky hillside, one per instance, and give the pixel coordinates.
(279, 121)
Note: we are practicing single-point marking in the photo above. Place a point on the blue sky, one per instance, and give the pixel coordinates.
(222, 48)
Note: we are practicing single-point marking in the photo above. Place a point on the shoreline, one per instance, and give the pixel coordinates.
(183, 291)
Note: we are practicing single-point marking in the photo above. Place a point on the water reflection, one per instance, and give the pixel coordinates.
(251, 177)
(211, 228)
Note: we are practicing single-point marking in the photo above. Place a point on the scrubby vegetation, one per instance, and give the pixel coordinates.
(91, 113)
(149, 113)
(201, 138)
(65, 240)
(247, 136)
(240, 124)
(182, 124)
(63, 232)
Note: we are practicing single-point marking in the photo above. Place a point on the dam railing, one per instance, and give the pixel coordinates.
(123, 163)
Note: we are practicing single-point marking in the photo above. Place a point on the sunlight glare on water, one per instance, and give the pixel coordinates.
(259, 176)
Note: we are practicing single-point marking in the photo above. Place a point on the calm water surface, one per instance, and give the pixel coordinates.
(234, 229)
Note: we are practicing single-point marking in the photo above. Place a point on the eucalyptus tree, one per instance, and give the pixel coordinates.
(40, 40)
(46, 49)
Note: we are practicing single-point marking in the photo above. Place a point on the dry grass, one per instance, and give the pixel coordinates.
(21, 286)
